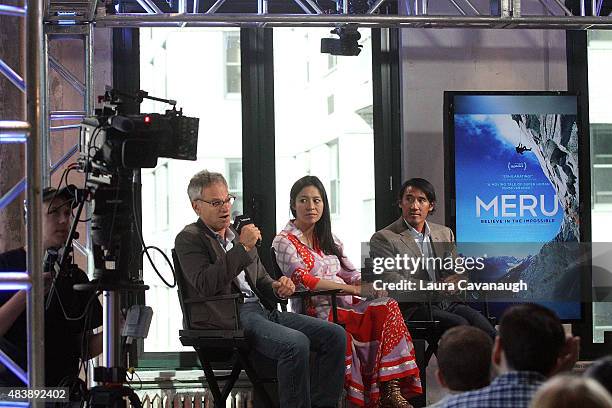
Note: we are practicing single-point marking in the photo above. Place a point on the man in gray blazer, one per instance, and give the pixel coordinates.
(413, 236)
(216, 261)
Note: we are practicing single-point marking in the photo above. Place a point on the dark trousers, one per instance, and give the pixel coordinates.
(289, 338)
(451, 315)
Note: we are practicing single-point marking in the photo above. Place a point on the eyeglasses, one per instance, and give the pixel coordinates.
(218, 203)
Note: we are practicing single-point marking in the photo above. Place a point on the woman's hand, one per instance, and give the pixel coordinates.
(368, 291)
(284, 287)
(354, 290)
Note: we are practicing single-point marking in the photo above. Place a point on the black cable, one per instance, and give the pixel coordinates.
(89, 302)
(63, 177)
(139, 380)
(52, 290)
(73, 380)
(94, 135)
(145, 248)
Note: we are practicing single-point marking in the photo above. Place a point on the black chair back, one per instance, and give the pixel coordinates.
(227, 349)
(180, 287)
(276, 270)
(276, 274)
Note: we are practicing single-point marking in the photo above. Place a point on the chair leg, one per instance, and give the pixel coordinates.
(213, 385)
(229, 384)
(220, 396)
(432, 348)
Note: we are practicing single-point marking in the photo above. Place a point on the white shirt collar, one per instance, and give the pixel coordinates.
(229, 234)
(416, 233)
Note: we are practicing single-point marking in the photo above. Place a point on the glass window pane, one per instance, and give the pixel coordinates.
(232, 79)
(325, 134)
(197, 80)
(232, 62)
(600, 116)
(232, 52)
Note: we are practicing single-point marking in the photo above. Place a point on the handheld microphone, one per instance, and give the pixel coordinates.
(240, 221)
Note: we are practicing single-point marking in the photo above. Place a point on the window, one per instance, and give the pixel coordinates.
(310, 140)
(232, 62)
(601, 170)
(334, 178)
(600, 116)
(233, 170)
(161, 197)
(332, 61)
(165, 205)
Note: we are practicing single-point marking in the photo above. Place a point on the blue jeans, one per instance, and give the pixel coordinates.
(289, 338)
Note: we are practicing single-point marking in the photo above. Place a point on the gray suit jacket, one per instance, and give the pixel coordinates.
(395, 239)
(210, 271)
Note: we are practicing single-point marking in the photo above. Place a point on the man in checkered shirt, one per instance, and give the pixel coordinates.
(531, 346)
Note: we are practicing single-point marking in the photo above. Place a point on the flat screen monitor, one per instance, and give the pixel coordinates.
(513, 175)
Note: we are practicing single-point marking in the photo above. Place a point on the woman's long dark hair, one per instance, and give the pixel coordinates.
(322, 229)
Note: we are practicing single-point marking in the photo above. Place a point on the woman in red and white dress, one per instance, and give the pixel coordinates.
(381, 369)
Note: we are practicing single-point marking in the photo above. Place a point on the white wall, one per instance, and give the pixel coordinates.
(466, 59)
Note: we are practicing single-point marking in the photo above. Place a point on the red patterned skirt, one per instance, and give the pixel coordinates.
(379, 349)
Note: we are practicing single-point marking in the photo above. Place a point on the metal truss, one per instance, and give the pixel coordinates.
(57, 33)
(508, 14)
(15, 130)
(204, 20)
(36, 134)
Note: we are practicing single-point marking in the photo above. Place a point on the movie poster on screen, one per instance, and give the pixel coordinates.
(516, 182)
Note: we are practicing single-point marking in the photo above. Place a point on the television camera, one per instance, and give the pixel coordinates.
(113, 147)
(347, 42)
(112, 141)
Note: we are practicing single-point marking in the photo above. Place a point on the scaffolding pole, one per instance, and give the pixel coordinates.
(34, 172)
(329, 20)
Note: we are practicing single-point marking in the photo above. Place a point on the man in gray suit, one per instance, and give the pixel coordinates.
(216, 261)
(413, 236)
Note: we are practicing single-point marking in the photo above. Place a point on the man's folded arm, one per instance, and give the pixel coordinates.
(208, 277)
(382, 247)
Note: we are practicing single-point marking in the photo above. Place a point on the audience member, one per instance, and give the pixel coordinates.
(531, 347)
(464, 360)
(218, 261)
(412, 235)
(567, 391)
(381, 368)
(601, 371)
